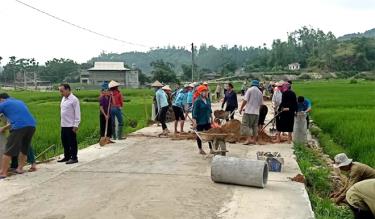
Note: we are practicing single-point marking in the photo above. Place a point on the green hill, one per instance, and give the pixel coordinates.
(367, 34)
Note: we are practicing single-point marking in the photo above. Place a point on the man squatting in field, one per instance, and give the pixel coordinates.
(357, 173)
(22, 128)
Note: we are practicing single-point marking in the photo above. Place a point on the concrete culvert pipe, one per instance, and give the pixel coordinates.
(239, 171)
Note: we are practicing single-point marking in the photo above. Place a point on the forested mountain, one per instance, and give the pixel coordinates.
(367, 34)
(312, 48)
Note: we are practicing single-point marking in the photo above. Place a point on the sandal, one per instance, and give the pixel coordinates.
(32, 169)
(202, 152)
(2, 177)
(18, 172)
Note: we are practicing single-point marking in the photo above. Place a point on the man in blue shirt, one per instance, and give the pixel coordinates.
(304, 105)
(178, 108)
(22, 128)
(162, 103)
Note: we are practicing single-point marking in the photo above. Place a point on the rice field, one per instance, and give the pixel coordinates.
(346, 114)
(45, 107)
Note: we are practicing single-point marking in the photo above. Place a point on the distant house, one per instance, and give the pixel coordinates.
(294, 66)
(107, 71)
(211, 76)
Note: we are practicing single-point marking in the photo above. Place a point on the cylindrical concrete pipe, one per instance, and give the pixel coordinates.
(239, 171)
(300, 129)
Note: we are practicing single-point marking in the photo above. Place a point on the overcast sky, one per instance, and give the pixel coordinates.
(152, 23)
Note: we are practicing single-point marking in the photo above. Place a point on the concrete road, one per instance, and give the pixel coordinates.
(150, 177)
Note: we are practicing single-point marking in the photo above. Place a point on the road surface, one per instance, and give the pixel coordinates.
(150, 177)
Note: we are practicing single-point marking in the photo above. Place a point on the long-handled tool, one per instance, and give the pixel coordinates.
(264, 127)
(132, 122)
(104, 139)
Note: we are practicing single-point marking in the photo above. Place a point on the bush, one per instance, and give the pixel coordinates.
(353, 81)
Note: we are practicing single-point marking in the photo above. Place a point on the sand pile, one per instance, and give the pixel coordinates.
(221, 114)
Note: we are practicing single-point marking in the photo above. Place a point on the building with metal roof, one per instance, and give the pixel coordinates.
(107, 71)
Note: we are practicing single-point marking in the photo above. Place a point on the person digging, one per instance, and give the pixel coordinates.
(357, 172)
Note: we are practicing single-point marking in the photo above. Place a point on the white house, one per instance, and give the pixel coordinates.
(294, 66)
(107, 71)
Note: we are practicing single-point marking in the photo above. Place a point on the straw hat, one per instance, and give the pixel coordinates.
(166, 87)
(191, 85)
(279, 83)
(205, 83)
(342, 160)
(113, 84)
(157, 84)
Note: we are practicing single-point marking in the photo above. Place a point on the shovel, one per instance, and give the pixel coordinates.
(105, 140)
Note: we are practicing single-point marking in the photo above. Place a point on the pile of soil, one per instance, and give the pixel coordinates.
(221, 114)
(299, 178)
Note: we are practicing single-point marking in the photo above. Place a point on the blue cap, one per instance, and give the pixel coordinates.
(255, 83)
(105, 85)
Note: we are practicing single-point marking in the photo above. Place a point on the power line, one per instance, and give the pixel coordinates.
(81, 27)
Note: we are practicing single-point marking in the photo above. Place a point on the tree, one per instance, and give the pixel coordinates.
(163, 71)
(60, 70)
(143, 79)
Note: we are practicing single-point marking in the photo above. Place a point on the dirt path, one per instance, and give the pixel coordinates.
(151, 178)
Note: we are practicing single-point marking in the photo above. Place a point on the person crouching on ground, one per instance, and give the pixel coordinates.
(231, 100)
(162, 103)
(202, 115)
(361, 198)
(105, 117)
(304, 105)
(357, 172)
(253, 99)
(178, 108)
(22, 129)
(116, 110)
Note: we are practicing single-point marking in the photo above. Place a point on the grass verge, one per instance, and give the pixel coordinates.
(317, 175)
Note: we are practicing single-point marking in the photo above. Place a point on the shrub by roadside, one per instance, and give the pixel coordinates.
(318, 183)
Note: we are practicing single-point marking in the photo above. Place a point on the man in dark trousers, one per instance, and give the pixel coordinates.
(22, 128)
(70, 119)
(231, 100)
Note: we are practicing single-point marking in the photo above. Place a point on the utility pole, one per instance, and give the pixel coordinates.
(192, 62)
(24, 80)
(35, 82)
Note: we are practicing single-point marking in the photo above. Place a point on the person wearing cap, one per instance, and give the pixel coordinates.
(156, 85)
(178, 108)
(252, 101)
(287, 108)
(361, 198)
(189, 99)
(105, 115)
(202, 115)
(357, 172)
(168, 91)
(162, 103)
(117, 102)
(277, 95)
(231, 100)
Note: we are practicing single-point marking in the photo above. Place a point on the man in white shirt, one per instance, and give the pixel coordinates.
(253, 99)
(70, 119)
